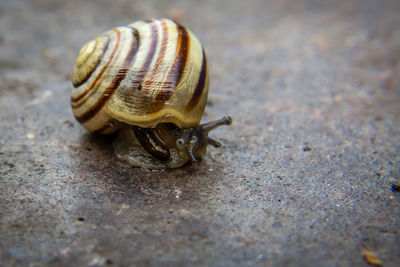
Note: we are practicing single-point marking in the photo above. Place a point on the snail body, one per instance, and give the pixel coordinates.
(149, 79)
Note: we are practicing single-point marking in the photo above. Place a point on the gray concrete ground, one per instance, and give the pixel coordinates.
(306, 172)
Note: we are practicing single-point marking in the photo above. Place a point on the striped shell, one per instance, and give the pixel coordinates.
(143, 74)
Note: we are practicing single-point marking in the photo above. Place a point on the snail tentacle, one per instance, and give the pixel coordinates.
(209, 126)
(213, 142)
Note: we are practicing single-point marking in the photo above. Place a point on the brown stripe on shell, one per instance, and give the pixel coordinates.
(199, 87)
(148, 20)
(132, 94)
(147, 85)
(139, 98)
(89, 73)
(176, 72)
(100, 75)
(137, 83)
(152, 143)
(115, 83)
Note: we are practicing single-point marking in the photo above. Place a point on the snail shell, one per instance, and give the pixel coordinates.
(149, 77)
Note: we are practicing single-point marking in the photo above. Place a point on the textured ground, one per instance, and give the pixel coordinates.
(306, 172)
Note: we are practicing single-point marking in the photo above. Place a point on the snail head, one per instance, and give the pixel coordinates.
(194, 141)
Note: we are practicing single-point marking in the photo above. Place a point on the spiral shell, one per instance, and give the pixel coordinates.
(143, 74)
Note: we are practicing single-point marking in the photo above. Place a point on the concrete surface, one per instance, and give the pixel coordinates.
(306, 172)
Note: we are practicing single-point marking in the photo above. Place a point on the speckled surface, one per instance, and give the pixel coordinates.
(306, 171)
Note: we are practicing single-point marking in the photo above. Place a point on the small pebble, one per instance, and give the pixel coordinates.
(371, 258)
(337, 98)
(30, 136)
(396, 186)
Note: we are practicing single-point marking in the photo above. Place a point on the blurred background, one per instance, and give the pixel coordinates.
(307, 173)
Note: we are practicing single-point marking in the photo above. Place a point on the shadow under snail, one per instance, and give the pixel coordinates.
(147, 81)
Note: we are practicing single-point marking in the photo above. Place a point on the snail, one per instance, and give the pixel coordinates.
(147, 81)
